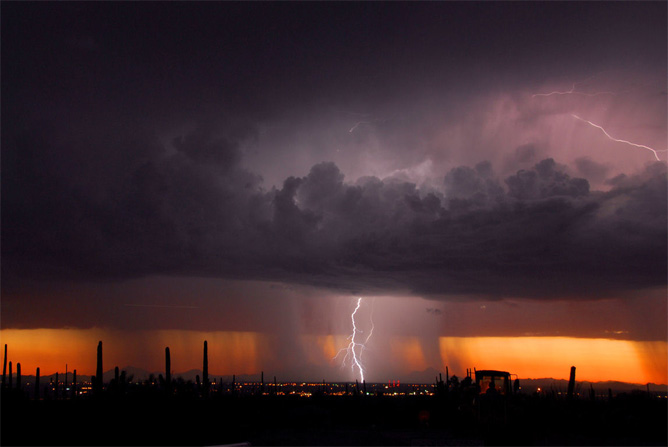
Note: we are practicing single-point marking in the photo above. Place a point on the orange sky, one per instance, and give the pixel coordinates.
(250, 352)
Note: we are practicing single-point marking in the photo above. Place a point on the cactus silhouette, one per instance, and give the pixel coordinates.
(74, 383)
(37, 384)
(168, 369)
(10, 375)
(441, 387)
(205, 369)
(18, 376)
(97, 385)
(571, 383)
(4, 369)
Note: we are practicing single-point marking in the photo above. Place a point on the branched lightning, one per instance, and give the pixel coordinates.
(355, 348)
(641, 146)
(572, 91)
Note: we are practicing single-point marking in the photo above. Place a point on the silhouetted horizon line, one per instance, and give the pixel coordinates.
(256, 377)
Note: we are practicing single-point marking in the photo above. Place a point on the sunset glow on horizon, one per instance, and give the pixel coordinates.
(250, 353)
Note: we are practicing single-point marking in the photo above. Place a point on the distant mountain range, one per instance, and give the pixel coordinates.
(428, 376)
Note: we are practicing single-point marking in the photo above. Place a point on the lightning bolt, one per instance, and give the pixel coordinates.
(641, 146)
(358, 124)
(355, 348)
(373, 121)
(572, 92)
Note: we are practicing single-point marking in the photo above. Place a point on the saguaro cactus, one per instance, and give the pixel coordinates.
(10, 374)
(18, 376)
(74, 383)
(37, 384)
(571, 383)
(4, 369)
(168, 368)
(205, 369)
(98, 371)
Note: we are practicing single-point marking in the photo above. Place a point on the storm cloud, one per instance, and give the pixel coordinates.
(196, 211)
(217, 141)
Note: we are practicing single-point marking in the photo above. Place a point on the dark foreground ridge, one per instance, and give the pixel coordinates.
(453, 415)
(487, 408)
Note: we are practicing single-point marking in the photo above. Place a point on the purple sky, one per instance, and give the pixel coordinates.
(281, 156)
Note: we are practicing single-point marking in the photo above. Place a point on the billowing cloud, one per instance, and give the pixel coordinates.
(195, 211)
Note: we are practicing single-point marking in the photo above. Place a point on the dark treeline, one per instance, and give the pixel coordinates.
(171, 411)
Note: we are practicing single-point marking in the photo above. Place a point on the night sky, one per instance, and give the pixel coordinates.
(245, 171)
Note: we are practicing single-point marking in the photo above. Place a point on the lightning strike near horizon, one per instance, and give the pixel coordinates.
(641, 146)
(355, 348)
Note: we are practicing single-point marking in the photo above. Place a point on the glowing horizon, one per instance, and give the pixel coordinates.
(596, 359)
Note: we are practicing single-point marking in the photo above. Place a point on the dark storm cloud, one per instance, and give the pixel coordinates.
(544, 234)
(79, 213)
(126, 127)
(591, 169)
(119, 207)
